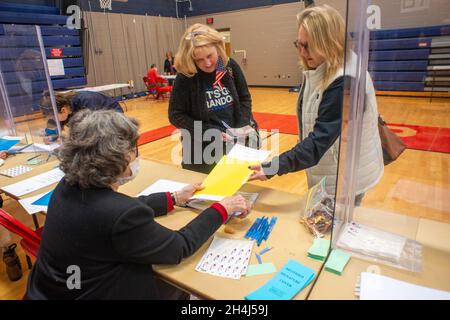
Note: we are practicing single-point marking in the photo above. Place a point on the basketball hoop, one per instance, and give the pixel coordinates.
(105, 4)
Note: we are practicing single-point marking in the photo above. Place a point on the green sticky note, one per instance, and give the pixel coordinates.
(337, 261)
(263, 268)
(319, 249)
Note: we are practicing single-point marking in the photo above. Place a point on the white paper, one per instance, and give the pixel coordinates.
(371, 241)
(12, 138)
(32, 208)
(55, 67)
(226, 258)
(202, 204)
(378, 287)
(35, 183)
(241, 152)
(163, 185)
(37, 147)
(105, 87)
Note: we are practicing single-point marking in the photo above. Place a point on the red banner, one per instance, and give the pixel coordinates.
(56, 52)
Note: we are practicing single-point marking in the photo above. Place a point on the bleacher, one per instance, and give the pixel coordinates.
(413, 59)
(14, 40)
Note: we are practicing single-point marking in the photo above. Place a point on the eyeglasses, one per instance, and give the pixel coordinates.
(300, 45)
(136, 151)
(192, 35)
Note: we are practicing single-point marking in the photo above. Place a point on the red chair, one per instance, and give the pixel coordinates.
(155, 90)
(31, 240)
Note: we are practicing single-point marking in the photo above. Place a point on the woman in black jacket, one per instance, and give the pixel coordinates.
(98, 243)
(210, 96)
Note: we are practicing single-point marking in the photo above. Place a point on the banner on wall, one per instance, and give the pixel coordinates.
(55, 67)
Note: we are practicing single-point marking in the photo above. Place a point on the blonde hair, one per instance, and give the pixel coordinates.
(197, 36)
(326, 31)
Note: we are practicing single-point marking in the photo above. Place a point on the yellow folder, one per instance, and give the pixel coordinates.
(225, 179)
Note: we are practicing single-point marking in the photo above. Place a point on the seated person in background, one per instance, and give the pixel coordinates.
(51, 132)
(113, 238)
(70, 103)
(154, 78)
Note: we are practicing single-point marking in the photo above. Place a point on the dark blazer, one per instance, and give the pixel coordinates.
(114, 240)
(188, 103)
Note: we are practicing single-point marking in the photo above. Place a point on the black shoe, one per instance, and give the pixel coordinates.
(12, 262)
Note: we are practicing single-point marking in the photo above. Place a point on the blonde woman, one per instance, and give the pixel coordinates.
(321, 46)
(210, 93)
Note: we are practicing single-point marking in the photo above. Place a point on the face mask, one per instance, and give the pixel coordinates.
(134, 166)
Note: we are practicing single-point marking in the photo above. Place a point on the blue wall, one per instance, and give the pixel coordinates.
(167, 8)
(36, 2)
(202, 7)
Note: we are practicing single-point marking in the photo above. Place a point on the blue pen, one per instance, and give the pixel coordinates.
(250, 231)
(271, 225)
(260, 228)
(255, 232)
(263, 231)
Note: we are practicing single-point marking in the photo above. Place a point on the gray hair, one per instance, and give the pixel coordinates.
(96, 151)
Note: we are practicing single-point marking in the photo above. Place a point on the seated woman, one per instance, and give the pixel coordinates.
(101, 244)
(70, 103)
(155, 78)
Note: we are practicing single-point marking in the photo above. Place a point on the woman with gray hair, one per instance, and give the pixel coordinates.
(98, 243)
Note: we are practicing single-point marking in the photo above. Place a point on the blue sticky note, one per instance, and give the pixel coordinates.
(44, 200)
(6, 144)
(292, 278)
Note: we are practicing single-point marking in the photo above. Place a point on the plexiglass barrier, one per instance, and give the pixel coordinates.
(27, 104)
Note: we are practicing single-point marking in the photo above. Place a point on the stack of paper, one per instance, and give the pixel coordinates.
(337, 261)
(35, 183)
(371, 241)
(31, 208)
(292, 278)
(163, 185)
(44, 200)
(7, 142)
(377, 287)
(37, 147)
(230, 173)
(319, 249)
(226, 258)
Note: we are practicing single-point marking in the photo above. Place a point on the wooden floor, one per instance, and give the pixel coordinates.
(416, 170)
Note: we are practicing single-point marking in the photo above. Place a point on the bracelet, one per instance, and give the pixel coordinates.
(174, 200)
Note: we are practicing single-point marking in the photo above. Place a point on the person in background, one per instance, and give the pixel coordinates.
(210, 92)
(321, 44)
(68, 104)
(168, 64)
(113, 238)
(155, 78)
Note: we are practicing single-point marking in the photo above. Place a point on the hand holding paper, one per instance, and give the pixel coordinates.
(236, 204)
(258, 173)
(182, 196)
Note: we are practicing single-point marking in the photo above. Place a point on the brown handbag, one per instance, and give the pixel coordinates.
(391, 144)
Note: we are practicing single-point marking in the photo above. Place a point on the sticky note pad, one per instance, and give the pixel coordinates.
(319, 249)
(292, 278)
(336, 261)
(258, 269)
